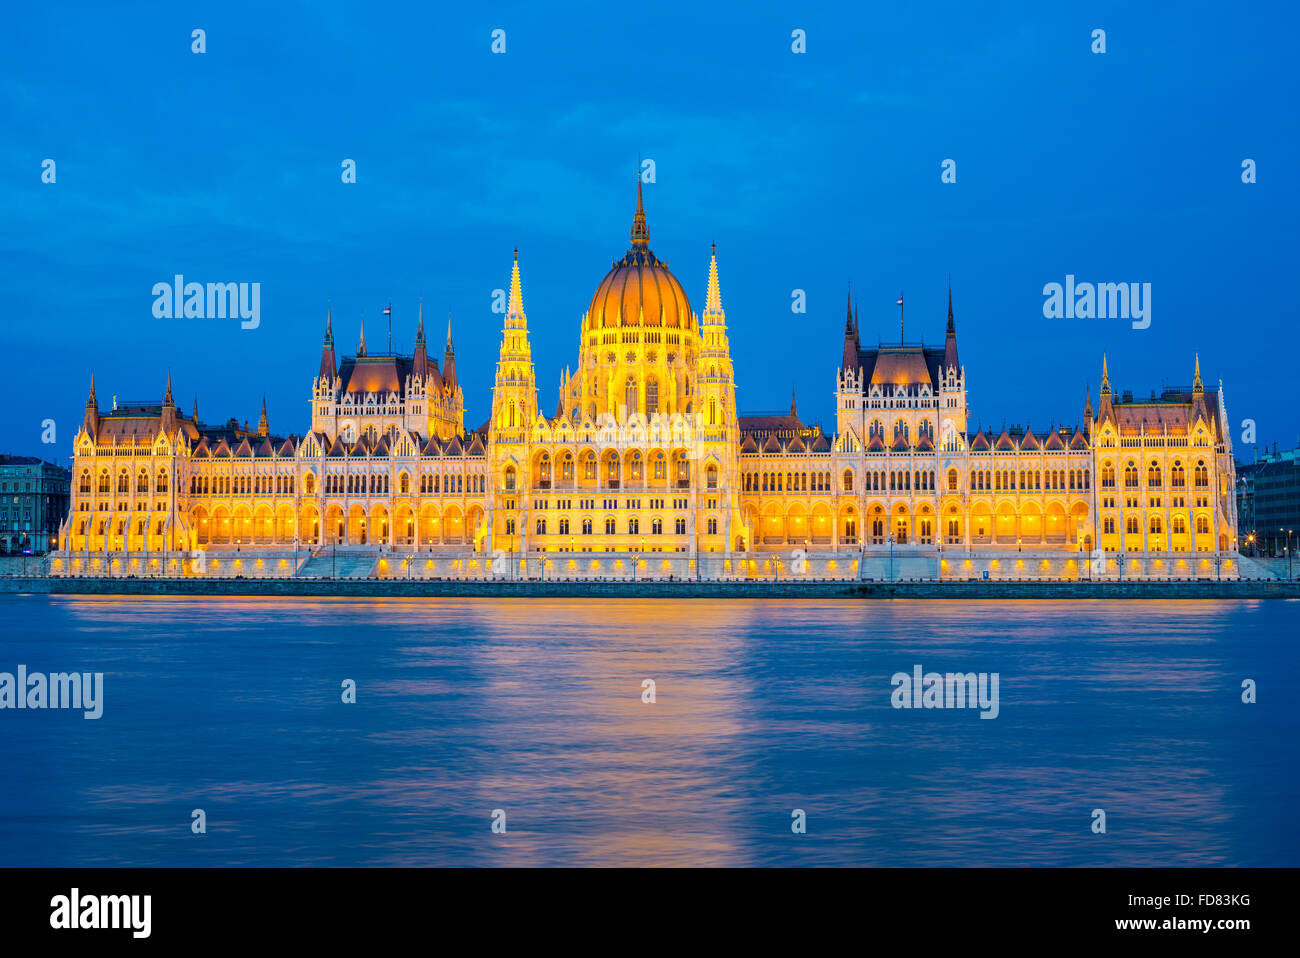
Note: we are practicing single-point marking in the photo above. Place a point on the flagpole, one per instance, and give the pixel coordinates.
(390, 329)
(901, 338)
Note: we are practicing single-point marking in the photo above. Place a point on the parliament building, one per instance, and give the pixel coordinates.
(646, 468)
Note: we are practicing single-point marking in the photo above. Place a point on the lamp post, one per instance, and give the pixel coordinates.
(891, 557)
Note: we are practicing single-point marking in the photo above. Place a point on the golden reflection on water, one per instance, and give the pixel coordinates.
(535, 706)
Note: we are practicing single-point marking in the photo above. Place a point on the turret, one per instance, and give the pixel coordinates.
(90, 422)
(328, 366)
(449, 360)
(420, 365)
(950, 341)
(849, 358)
(167, 420)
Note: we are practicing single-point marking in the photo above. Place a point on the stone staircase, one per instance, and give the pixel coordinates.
(341, 562)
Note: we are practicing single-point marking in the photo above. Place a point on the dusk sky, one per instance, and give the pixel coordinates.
(809, 171)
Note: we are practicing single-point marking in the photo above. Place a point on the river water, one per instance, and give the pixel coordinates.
(534, 707)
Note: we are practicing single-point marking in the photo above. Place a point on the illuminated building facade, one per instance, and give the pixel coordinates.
(646, 468)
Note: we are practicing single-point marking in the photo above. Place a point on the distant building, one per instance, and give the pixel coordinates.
(1268, 502)
(33, 503)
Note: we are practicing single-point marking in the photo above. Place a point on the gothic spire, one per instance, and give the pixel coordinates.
(950, 339)
(515, 312)
(167, 396)
(1105, 377)
(713, 297)
(1197, 386)
(419, 330)
(361, 346)
(263, 427)
(640, 235)
(327, 365)
(449, 362)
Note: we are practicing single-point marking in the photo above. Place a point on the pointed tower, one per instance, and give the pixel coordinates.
(420, 363)
(848, 378)
(953, 413)
(361, 346)
(852, 345)
(794, 410)
(194, 416)
(514, 395)
(1087, 409)
(324, 390)
(640, 232)
(1199, 410)
(716, 387)
(449, 358)
(167, 421)
(90, 422)
(263, 427)
(1105, 411)
(328, 366)
(950, 341)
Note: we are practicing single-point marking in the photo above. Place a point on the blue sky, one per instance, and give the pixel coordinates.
(809, 171)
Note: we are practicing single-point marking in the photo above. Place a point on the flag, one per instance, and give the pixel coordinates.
(388, 310)
(900, 299)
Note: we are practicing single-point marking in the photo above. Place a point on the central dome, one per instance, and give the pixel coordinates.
(639, 290)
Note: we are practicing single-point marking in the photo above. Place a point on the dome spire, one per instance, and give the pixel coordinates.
(640, 235)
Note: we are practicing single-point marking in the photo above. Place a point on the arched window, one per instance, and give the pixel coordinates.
(83, 485)
(1153, 475)
(848, 480)
(1130, 475)
(651, 396)
(510, 478)
(1202, 475)
(630, 395)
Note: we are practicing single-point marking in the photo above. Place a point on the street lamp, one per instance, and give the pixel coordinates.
(891, 556)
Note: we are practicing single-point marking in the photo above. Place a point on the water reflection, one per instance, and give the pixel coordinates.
(535, 707)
